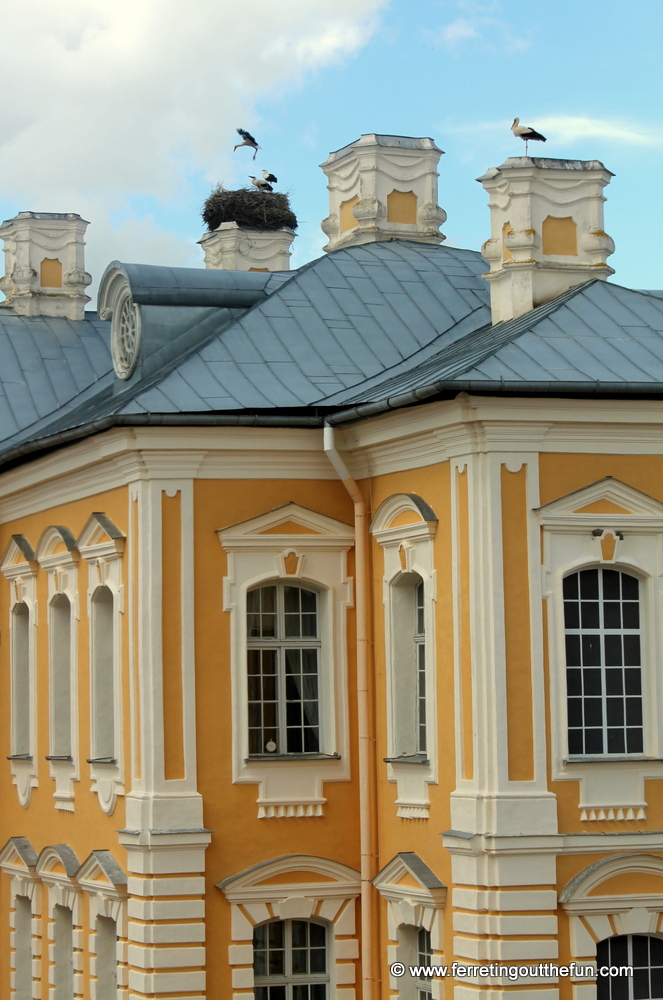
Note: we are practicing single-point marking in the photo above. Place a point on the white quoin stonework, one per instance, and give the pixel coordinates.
(231, 248)
(546, 231)
(45, 264)
(383, 187)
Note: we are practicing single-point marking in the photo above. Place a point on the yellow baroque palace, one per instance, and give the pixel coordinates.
(331, 608)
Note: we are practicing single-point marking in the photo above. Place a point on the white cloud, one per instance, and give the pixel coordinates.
(105, 102)
(571, 128)
(478, 23)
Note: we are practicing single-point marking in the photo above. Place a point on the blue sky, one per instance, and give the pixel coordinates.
(127, 116)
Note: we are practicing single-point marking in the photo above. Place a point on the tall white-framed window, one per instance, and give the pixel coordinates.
(287, 594)
(105, 882)
(101, 544)
(106, 965)
(19, 566)
(603, 587)
(404, 526)
(102, 674)
(290, 960)
(58, 556)
(283, 667)
(63, 953)
(603, 662)
(21, 743)
(22, 948)
(60, 650)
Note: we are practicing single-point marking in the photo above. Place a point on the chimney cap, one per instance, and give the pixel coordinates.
(48, 216)
(543, 163)
(372, 139)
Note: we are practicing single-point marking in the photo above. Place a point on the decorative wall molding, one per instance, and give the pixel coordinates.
(263, 893)
(257, 553)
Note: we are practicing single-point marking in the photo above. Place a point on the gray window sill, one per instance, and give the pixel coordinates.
(290, 756)
(19, 756)
(59, 756)
(611, 758)
(101, 760)
(412, 758)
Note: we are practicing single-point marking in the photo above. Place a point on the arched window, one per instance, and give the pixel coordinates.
(290, 961)
(642, 953)
(20, 656)
(283, 663)
(60, 650)
(603, 662)
(409, 666)
(103, 676)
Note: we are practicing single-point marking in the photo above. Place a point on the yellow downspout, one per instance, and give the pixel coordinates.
(363, 713)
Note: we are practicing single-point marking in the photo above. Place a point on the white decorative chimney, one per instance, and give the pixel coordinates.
(547, 231)
(45, 264)
(233, 248)
(383, 187)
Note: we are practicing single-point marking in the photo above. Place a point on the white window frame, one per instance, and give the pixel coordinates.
(408, 552)
(258, 554)
(104, 881)
(594, 916)
(279, 644)
(611, 785)
(57, 867)
(19, 566)
(329, 895)
(290, 978)
(58, 556)
(101, 544)
(18, 860)
(410, 907)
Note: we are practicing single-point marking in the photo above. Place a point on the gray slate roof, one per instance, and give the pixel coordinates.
(357, 331)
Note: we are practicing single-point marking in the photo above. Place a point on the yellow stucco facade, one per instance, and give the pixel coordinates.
(511, 835)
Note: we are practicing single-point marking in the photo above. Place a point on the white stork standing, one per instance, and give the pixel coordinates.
(526, 133)
(261, 184)
(270, 178)
(247, 140)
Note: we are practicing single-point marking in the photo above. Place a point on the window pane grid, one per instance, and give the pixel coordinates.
(424, 957)
(420, 654)
(283, 670)
(603, 660)
(644, 954)
(290, 960)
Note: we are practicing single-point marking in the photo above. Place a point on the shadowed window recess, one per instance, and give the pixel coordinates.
(603, 663)
(641, 952)
(290, 961)
(283, 662)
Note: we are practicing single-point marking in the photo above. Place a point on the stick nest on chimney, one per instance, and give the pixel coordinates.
(249, 209)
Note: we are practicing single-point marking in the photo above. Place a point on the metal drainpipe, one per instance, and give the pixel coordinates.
(363, 715)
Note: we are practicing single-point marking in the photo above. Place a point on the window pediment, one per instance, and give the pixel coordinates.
(100, 872)
(607, 497)
(407, 877)
(19, 558)
(100, 538)
(18, 856)
(288, 522)
(281, 878)
(57, 863)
